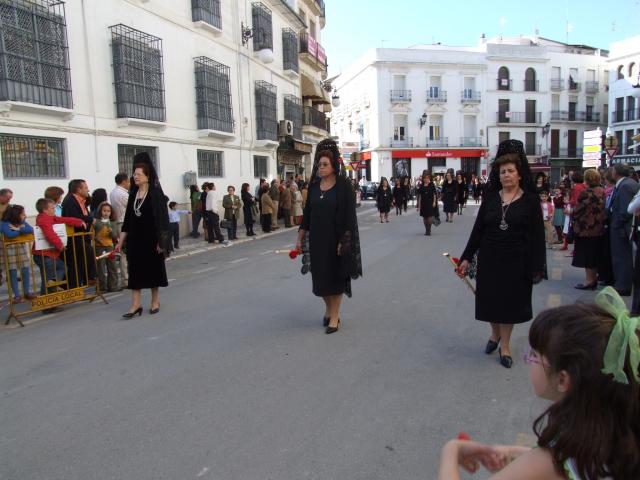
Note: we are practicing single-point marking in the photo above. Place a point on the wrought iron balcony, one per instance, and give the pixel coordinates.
(438, 142)
(532, 85)
(400, 95)
(574, 116)
(535, 150)
(592, 87)
(401, 141)
(470, 141)
(557, 84)
(313, 51)
(315, 118)
(436, 96)
(504, 84)
(565, 152)
(470, 96)
(519, 117)
(627, 115)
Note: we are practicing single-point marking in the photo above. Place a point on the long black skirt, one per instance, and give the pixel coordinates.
(587, 252)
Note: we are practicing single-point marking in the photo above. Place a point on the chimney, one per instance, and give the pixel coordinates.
(483, 39)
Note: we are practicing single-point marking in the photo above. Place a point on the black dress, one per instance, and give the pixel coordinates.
(146, 265)
(461, 192)
(384, 200)
(427, 194)
(449, 197)
(247, 204)
(329, 220)
(508, 259)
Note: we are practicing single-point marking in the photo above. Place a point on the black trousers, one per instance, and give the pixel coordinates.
(231, 232)
(174, 229)
(266, 222)
(213, 227)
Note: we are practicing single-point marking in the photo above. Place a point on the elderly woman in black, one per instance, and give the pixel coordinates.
(145, 234)
(449, 190)
(248, 203)
(509, 239)
(384, 199)
(462, 192)
(329, 236)
(427, 202)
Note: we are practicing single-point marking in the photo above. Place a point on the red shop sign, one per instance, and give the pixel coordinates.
(438, 153)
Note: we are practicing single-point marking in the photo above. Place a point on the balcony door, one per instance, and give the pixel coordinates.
(399, 82)
(530, 143)
(435, 85)
(573, 104)
(470, 131)
(435, 128)
(555, 143)
(572, 143)
(503, 110)
(530, 111)
(400, 128)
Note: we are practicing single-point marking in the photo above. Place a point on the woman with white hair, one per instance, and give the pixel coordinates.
(296, 198)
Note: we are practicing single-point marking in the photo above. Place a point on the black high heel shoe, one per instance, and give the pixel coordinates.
(137, 311)
(505, 360)
(331, 330)
(491, 346)
(153, 311)
(325, 321)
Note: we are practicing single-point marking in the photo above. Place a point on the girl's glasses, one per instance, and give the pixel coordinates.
(530, 358)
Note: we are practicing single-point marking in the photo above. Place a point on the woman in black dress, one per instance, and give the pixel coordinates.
(427, 202)
(462, 191)
(248, 203)
(329, 235)
(145, 234)
(508, 237)
(398, 196)
(384, 199)
(449, 196)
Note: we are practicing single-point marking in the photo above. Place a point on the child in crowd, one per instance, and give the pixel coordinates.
(104, 231)
(174, 223)
(558, 213)
(52, 267)
(547, 217)
(13, 225)
(584, 359)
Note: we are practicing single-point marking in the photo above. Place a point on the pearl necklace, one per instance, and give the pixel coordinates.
(137, 204)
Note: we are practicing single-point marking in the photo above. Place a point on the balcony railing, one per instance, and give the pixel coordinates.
(592, 87)
(401, 142)
(315, 118)
(574, 86)
(627, 115)
(519, 117)
(532, 85)
(438, 142)
(504, 84)
(470, 96)
(314, 51)
(535, 150)
(557, 84)
(439, 96)
(470, 141)
(400, 95)
(565, 152)
(574, 116)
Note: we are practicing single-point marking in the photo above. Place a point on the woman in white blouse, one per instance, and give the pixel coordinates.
(297, 203)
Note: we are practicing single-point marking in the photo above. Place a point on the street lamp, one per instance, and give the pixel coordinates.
(546, 129)
(335, 98)
(423, 120)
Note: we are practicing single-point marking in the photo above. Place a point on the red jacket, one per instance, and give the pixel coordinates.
(46, 223)
(575, 193)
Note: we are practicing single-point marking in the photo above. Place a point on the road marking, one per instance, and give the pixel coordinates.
(203, 472)
(267, 252)
(238, 260)
(554, 300)
(171, 280)
(362, 229)
(556, 274)
(205, 270)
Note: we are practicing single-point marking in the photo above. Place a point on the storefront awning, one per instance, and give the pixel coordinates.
(311, 90)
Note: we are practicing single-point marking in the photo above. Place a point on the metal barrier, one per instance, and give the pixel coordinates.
(79, 258)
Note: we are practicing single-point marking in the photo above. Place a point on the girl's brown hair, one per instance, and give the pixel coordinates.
(12, 214)
(597, 423)
(98, 214)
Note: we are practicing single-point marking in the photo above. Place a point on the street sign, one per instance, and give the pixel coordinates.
(591, 155)
(590, 163)
(611, 151)
(592, 149)
(593, 133)
(592, 141)
(611, 143)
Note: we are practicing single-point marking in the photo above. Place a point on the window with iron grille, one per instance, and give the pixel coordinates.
(262, 27)
(210, 164)
(266, 111)
(127, 152)
(213, 95)
(289, 50)
(32, 157)
(260, 166)
(207, 11)
(34, 60)
(137, 70)
(293, 112)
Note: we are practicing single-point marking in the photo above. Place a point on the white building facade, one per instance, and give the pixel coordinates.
(433, 107)
(202, 85)
(624, 98)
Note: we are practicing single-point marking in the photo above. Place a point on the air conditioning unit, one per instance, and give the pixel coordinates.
(285, 128)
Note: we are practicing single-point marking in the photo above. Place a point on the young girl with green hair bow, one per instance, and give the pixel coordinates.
(584, 358)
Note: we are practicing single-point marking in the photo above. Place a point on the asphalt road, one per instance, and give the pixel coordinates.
(235, 379)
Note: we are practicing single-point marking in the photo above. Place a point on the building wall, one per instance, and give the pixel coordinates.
(93, 134)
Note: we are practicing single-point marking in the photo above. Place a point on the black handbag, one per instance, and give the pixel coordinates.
(226, 224)
(570, 235)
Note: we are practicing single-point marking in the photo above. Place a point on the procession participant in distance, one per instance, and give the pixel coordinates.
(427, 202)
(384, 199)
(248, 203)
(462, 191)
(508, 237)
(145, 233)
(329, 233)
(449, 190)
(398, 196)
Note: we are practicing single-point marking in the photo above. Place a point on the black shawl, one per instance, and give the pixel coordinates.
(160, 216)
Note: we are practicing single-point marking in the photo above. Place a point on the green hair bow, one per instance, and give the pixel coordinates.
(623, 337)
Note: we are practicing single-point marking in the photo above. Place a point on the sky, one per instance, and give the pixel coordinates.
(354, 26)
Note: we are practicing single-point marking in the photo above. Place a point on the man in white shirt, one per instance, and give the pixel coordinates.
(119, 197)
(213, 217)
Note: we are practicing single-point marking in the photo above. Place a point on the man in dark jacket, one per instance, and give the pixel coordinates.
(274, 193)
(286, 205)
(80, 260)
(620, 228)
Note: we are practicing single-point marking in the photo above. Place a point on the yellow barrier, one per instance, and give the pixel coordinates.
(77, 285)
